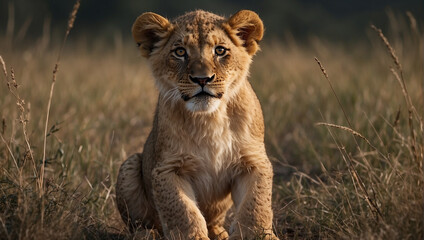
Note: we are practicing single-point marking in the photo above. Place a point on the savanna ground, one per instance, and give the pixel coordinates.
(360, 178)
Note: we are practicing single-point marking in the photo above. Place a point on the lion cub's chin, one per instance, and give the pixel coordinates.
(203, 104)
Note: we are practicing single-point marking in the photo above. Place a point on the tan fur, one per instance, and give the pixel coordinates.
(205, 152)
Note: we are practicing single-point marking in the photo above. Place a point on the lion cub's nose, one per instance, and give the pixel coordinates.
(201, 80)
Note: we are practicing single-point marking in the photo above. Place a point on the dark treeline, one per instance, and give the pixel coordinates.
(329, 19)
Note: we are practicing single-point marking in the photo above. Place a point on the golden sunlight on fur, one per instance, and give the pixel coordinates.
(206, 149)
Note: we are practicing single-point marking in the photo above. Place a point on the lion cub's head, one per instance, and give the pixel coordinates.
(199, 59)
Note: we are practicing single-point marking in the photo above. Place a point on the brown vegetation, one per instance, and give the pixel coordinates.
(345, 167)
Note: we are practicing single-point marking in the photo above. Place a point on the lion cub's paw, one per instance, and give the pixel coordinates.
(218, 233)
(262, 236)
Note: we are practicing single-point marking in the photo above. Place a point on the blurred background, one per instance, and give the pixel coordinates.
(334, 20)
(104, 100)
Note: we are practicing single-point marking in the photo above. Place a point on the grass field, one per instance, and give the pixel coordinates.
(345, 167)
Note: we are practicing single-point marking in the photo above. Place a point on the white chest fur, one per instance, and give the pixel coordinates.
(203, 149)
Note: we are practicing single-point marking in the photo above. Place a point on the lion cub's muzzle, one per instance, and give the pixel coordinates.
(204, 90)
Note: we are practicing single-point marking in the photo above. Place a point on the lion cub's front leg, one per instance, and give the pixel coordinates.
(176, 204)
(251, 194)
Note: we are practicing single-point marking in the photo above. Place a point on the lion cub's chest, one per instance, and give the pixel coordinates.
(211, 151)
(208, 153)
(213, 159)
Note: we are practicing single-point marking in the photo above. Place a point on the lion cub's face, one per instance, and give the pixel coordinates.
(199, 58)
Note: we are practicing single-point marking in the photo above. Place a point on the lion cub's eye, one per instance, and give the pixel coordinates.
(220, 51)
(180, 52)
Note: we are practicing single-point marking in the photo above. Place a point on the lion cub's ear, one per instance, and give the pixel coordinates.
(150, 31)
(248, 27)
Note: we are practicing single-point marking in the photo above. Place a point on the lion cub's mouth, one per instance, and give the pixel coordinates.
(202, 95)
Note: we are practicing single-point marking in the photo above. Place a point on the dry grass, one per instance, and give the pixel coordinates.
(345, 168)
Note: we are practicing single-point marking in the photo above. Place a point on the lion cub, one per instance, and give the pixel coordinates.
(206, 149)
